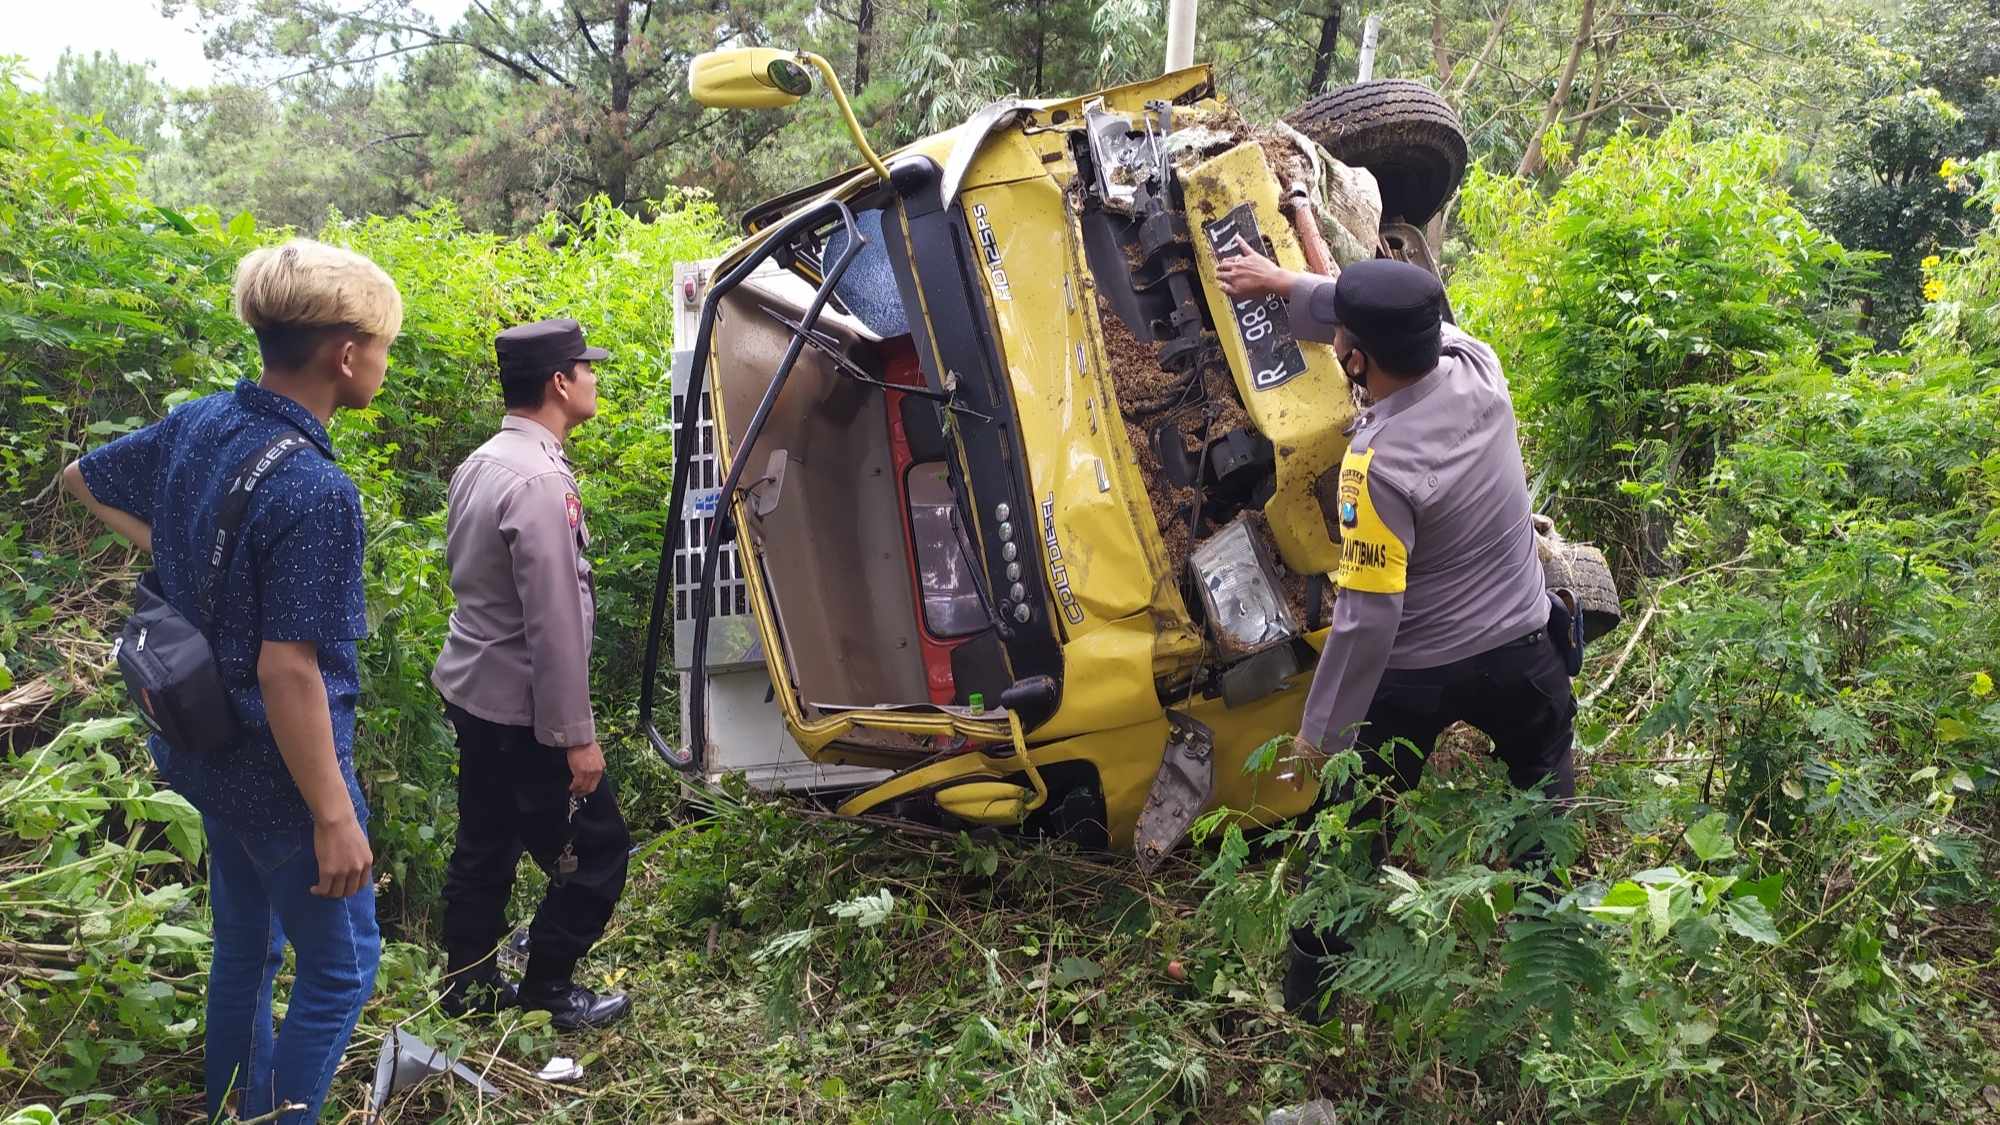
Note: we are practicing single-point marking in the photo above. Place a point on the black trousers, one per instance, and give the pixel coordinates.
(1518, 695)
(513, 796)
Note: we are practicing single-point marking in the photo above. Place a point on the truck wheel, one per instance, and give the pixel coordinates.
(1581, 569)
(1590, 577)
(1401, 131)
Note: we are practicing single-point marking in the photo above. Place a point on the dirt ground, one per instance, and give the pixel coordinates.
(1204, 405)
(1149, 396)
(1295, 587)
(1283, 157)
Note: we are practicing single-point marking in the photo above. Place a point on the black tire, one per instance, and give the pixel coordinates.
(1401, 131)
(1581, 569)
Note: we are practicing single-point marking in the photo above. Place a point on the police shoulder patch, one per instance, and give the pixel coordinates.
(1372, 559)
(573, 508)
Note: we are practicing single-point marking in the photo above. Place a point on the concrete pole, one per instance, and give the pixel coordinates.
(1371, 34)
(1180, 34)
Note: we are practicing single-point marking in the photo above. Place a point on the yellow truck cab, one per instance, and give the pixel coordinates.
(1029, 518)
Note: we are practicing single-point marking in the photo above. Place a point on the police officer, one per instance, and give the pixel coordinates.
(1442, 613)
(515, 676)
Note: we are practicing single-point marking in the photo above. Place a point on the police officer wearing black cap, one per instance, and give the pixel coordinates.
(1442, 613)
(515, 676)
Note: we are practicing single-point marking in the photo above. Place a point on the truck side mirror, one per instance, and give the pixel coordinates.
(747, 78)
(765, 78)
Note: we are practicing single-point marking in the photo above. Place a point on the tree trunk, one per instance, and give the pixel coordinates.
(1323, 55)
(1470, 74)
(1440, 53)
(1531, 160)
(1041, 42)
(618, 162)
(864, 32)
(1601, 61)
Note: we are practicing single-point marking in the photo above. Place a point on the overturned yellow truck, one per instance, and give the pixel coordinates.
(1028, 515)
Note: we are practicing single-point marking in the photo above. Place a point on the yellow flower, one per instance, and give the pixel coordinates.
(1950, 168)
(1934, 290)
(1931, 262)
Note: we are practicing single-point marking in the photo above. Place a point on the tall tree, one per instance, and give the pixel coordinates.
(605, 79)
(864, 38)
(1325, 51)
(127, 95)
(1531, 160)
(292, 156)
(1935, 97)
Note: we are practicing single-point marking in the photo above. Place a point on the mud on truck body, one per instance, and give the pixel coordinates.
(1028, 517)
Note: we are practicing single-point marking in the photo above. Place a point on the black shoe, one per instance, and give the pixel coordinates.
(573, 1007)
(1303, 996)
(477, 996)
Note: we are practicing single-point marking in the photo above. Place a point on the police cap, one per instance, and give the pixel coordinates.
(531, 351)
(1391, 308)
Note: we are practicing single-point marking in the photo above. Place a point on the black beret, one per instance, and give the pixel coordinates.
(1383, 303)
(534, 350)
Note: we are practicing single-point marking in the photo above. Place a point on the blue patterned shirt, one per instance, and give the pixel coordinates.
(295, 575)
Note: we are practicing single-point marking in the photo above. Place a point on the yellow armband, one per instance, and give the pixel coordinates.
(1372, 559)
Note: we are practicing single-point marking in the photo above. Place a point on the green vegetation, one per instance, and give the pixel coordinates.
(113, 309)
(1774, 901)
(513, 109)
(1630, 301)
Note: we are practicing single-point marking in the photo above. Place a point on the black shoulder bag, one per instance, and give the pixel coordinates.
(168, 662)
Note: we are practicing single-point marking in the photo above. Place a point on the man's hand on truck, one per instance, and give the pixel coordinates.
(1250, 274)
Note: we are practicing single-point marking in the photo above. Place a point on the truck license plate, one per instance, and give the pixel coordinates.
(1262, 322)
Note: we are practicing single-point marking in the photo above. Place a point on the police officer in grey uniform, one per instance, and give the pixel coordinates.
(515, 676)
(1442, 613)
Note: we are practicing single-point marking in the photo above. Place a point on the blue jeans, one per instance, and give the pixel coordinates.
(260, 891)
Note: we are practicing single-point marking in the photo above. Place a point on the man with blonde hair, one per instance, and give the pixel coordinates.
(279, 599)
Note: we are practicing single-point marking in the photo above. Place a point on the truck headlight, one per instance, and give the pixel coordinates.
(1239, 587)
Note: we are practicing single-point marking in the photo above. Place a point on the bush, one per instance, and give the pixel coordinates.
(1624, 305)
(1781, 906)
(112, 310)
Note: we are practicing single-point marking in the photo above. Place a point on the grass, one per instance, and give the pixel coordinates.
(979, 995)
(1004, 980)
(998, 980)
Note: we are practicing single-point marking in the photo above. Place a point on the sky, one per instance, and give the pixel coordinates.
(41, 29)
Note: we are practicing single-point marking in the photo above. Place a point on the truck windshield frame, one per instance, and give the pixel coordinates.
(808, 219)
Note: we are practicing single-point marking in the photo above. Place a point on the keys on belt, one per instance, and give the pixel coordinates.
(566, 862)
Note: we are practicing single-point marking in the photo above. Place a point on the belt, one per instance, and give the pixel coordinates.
(1533, 638)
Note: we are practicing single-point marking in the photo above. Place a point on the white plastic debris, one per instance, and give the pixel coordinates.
(1201, 140)
(1352, 200)
(560, 1069)
(406, 1060)
(1346, 200)
(1319, 1111)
